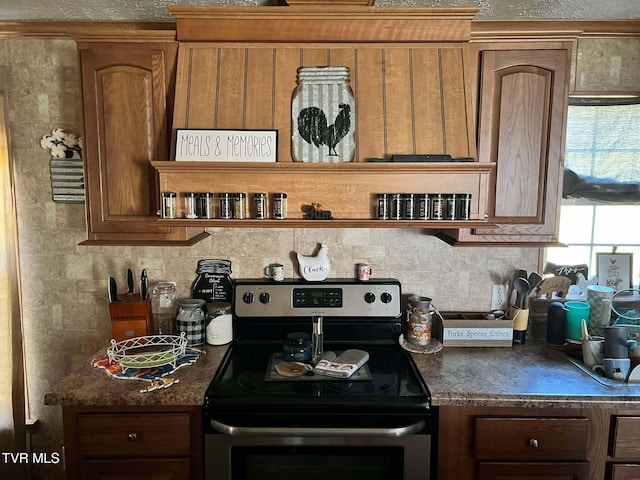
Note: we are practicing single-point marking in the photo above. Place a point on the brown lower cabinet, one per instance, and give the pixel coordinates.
(489, 443)
(123, 443)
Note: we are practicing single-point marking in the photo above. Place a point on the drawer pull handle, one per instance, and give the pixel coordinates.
(132, 437)
(533, 443)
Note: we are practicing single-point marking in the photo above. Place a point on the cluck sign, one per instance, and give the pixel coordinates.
(323, 116)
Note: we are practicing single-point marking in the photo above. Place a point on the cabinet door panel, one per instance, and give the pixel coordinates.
(627, 438)
(533, 471)
(125, 91)
(522, 120)
(625, 472)
(156, 469)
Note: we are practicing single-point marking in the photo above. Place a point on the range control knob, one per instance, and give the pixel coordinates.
(369, 297)
(386, 297)
(247, 297)
(265, 298)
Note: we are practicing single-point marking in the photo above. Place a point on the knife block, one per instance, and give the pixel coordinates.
(130, 318)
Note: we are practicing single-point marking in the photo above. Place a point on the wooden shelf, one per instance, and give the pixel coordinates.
(348, 190)
(335, 223)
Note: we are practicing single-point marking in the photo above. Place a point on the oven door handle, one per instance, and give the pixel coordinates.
(318, 432)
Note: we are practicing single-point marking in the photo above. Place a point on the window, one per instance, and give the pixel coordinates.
(601, 208)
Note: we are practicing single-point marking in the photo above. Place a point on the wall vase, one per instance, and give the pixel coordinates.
(323, 116)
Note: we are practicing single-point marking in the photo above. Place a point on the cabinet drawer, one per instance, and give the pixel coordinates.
(531, 438)
(625, 472)
(146, 434)
(626, 443)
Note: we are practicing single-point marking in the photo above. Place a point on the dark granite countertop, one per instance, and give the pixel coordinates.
(530, 375)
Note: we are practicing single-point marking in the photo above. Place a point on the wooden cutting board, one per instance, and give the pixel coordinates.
(557, 284)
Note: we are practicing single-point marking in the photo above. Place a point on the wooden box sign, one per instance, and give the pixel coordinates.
(462, 330)
(226, 145)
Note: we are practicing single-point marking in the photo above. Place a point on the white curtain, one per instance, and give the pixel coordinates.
(12, 391)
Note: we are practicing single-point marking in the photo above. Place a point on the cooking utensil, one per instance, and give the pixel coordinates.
(521, 274)
(521, 286)
(130, 281)
(144, 285)
(534, 280)
(113, 291)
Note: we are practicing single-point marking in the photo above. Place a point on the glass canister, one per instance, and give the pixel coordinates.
(164, 304)
(226, 205)
(240, 206)
(260, 206)
(297, 348)
(323, 109)
(219, 329)
(191, 320)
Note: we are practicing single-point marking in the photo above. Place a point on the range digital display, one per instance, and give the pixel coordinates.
(317, 297)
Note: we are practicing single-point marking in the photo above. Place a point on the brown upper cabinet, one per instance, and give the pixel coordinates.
(126, 91)
(522, 107)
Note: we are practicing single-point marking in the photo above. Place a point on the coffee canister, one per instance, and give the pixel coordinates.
(556, 324)
(419, 320)
(219, 326)
(191, 320)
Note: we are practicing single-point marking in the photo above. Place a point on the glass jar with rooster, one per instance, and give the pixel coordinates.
(323, 116)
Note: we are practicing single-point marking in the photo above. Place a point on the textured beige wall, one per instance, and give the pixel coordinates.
(65, 297)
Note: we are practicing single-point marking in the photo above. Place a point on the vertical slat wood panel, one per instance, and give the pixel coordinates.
(398, 100)
(370, 135)
(259, 111)
(453, 95)
(427, 107)
(203, 86)
(346, 57)
(231, 94)
(315, 57)
(287, 63)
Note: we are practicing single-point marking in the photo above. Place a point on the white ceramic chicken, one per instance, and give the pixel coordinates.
(315, 268)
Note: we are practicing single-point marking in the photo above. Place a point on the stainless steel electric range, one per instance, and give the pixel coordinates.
(378, 425)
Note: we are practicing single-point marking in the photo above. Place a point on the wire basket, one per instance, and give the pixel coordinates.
(148, 351)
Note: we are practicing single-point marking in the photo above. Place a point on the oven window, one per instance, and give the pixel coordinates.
(317, 463)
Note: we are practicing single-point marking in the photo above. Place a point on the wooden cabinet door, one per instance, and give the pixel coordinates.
(533, 471)
(625, 472)
(134, 469)
(523, 102)
(126, 88)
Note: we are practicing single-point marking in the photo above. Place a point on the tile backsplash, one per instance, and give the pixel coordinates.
(64, 285)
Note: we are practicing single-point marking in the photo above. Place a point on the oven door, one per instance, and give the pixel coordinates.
(276, 453)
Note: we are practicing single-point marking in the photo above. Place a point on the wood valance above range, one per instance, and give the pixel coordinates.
(409, 72)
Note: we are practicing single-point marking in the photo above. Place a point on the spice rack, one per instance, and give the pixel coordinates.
(348, 190)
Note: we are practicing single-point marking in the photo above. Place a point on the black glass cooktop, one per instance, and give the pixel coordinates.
(243, 384)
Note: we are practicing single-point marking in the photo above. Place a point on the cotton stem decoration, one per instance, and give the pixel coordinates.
(61, 143)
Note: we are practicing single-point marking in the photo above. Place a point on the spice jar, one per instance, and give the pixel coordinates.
(260, 206)
(219, 330)
(297, 348)
(383, 206)
(168, 205)
(190, 205)
(396, 206)
(424, 207)
(205, 205)
(164, 302)
(280, 206)
(240, 206)
(226, 205)
(191, 320)
(437, 206)
(409, 205)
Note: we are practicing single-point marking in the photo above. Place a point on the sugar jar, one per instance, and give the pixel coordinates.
(191, 320)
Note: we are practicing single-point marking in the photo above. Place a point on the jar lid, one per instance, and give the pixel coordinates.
(191, 302)
(169, 194)
(218, 307)
(259, 195)
(297, 338)
(206, 194)
(280, 195)
(163, 287)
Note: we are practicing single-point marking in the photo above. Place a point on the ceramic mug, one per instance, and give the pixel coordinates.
(614, 368)
(365, 271)
(576, 312)
(592, 351)
(617, 342)
(599, 298)
(275, 271)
